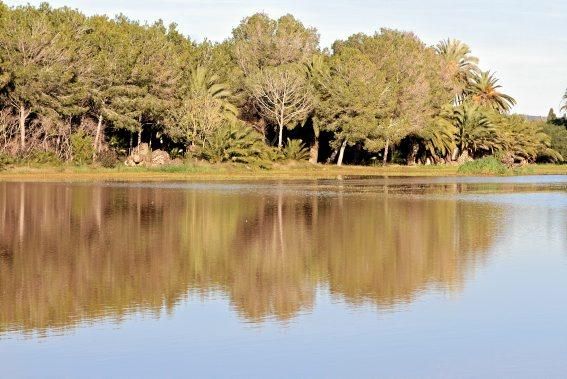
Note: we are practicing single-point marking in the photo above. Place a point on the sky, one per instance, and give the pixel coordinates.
(523, 41)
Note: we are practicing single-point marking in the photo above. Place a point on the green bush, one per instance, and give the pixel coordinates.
(42, 157)
(484, 166)
(236, 143)
(5, 160)
(558, 138)
(82, 147)
(295, 150)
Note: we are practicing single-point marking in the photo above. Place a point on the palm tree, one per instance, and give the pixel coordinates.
(525, 140)
(204, 106)
(460, 62)
(484, 91)
(203, 84)
(438, 138)
(475, 132)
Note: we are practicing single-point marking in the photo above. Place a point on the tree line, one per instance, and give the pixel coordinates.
(84, 89)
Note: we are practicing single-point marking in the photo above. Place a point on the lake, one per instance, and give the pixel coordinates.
(359, 277)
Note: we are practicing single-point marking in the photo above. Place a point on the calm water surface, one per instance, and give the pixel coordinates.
(441, 277)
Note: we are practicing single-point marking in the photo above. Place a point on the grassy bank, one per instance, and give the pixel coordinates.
(241, 172)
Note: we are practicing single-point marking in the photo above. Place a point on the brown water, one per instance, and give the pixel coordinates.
(357, 277)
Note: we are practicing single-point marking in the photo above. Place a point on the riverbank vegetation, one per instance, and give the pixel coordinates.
(204, 171)
(95, 90)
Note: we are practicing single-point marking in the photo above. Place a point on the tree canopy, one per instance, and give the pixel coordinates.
(69, 81)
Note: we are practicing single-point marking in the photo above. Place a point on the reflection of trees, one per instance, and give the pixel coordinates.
(76, 253)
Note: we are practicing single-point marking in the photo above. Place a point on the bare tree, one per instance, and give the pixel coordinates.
(282, 95)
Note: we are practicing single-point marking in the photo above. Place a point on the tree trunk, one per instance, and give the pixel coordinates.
(333, 156)
(280, 136)
(314, 151)
(131, 142)
(413, 154)
(23, 117)
(140, 136)
(97, 137)
(385, 160)
(342, 153)
(435, 158)
(455, 155)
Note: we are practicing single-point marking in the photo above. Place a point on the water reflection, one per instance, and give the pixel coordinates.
(75, 253)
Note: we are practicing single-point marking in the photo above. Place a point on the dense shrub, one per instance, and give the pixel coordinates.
(5, 160)
(237, 143)
(82, 147)
(295, 150)
(41, 157)
(558, 135)
(484, 166)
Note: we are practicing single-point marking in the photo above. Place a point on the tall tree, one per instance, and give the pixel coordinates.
(524, 140)
(415, 88)
(282, 95)
(318, 75)
(342, 110)
(476, 133)
(134, 72)
(261, 42)
(460, 63)
(260, 45)
(205, 106)
(484, 90)
(39, 51)
(551, 116)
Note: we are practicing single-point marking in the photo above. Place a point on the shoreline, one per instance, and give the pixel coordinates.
(225, 172)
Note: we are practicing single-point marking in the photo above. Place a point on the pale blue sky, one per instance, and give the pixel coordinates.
(524, 41)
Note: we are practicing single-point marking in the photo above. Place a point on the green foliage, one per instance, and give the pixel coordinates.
(438, 137)
(82, 147)
(204, 106)
(484, 91)
(525, 140)
(41, 157)
(63, 73)
(551, 116)
(236, 142)
(558, 138)
(5, 160)
(295, 150)
(484, 166)
(377, 94)
(476, 134)
(459, 64)
(261, 42)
